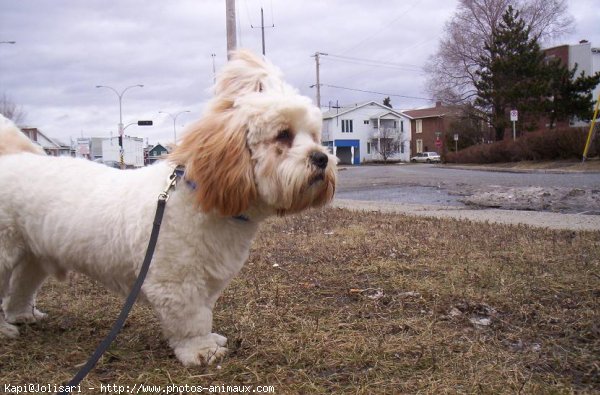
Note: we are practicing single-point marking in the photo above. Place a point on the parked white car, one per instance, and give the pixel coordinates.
(426, 157)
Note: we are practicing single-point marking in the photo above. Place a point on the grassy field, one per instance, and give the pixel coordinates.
(335, 301)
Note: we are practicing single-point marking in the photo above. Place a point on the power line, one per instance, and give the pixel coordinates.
(378, 93)
(373, 61)
(384, 27)
(381, 65)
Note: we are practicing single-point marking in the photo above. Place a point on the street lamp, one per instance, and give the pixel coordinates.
(120, 96)
(174, 120)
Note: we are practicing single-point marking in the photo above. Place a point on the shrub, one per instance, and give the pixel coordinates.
(544, 145)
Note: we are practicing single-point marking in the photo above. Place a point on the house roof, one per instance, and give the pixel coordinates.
(346, 109)
(433, 112)
(158, 147)
(43, 140)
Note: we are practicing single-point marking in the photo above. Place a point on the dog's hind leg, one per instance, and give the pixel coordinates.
(19, 304)
(6, 329)
(10, 254)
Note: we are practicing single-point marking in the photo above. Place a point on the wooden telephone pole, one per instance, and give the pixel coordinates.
(230, 24)
(262, 28)
(318, 84)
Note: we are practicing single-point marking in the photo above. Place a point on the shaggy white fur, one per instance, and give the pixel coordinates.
(256, 152)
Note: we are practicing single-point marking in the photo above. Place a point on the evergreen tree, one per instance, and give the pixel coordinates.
(568, 96)
(512, 75)
(387, 102)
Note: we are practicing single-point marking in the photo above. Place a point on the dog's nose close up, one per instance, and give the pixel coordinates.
(319, 159)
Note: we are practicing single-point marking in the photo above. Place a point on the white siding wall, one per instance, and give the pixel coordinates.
(586, 60)
(133, 148)
(364, 132)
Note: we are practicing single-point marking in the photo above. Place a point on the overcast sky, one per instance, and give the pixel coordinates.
(66, 47)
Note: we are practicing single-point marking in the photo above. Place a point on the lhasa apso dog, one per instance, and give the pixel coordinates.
(256, 152)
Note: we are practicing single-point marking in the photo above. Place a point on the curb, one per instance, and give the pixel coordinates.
(525, 171)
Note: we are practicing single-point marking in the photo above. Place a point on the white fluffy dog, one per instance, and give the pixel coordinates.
(256, 152)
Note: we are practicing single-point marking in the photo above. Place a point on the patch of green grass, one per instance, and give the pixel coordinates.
(358, 303)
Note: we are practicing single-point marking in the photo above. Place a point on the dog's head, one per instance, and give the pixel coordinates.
(257, 145)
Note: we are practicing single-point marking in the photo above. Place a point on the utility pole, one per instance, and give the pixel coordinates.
(262, 28)
(230, 24)
(318, 85)
(212, 55)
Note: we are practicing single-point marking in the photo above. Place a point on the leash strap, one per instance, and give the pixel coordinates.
(133, 294)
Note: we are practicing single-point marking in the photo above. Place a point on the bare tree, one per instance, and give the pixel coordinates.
(452, 68)
(11, 111)
(388, 142)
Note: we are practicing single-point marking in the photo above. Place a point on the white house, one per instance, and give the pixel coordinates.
(367, 132)
(133, 148)
(51, 146)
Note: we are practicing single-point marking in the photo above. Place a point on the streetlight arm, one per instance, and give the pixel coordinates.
(174, 117)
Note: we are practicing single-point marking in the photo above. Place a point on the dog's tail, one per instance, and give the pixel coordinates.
(13, 141)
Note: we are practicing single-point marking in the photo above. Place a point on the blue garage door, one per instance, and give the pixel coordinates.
(344, 153)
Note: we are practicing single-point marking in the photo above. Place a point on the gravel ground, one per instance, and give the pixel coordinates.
(533, 218)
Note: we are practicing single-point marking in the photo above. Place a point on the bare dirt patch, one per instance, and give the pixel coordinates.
(335, 301)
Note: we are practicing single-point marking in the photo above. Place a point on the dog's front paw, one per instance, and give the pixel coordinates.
(8, 330)
(28, 317)
(201, 350)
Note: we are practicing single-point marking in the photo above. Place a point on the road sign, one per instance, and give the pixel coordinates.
(514, 115)
(438, 143)
(455, 136)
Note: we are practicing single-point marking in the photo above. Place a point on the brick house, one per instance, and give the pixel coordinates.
(430, 127)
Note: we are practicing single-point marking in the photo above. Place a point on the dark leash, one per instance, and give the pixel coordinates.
(133, 294)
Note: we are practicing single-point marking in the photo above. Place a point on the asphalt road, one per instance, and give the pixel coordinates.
(558, 201)
(454, 180)
(439, 186)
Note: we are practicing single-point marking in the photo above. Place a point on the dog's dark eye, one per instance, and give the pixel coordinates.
(284, 136)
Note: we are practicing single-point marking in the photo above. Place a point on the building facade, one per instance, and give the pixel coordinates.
(133, 147)
(155, 153)
(586, 58)
(431, 126)
(367, 132)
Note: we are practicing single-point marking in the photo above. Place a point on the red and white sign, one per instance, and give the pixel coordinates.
(514, 115)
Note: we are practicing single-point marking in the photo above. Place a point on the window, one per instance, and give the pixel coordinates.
(368, 147)
(402, 126)
(366, 122)
(375, 123)
(419, 126)
(402, 147)
(346, 126)
(419, 146)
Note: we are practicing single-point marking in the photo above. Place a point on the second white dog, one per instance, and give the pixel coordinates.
(256, 152)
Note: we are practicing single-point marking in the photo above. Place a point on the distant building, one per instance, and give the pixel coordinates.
(431, 125)
(155, 153)
(133, 147)
(51, 146)
(82, 148)
(357, 133)
(96, 147)
(587, 59)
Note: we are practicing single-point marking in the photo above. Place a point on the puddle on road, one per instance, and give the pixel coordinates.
(408, 194)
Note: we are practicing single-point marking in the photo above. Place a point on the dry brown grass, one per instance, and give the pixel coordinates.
(359, 303)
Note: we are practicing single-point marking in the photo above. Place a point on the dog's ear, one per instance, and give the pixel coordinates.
(217, 160)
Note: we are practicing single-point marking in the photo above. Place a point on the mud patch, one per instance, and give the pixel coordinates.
(563, 200)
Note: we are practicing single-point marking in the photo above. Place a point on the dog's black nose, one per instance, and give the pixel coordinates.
(319, 159)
